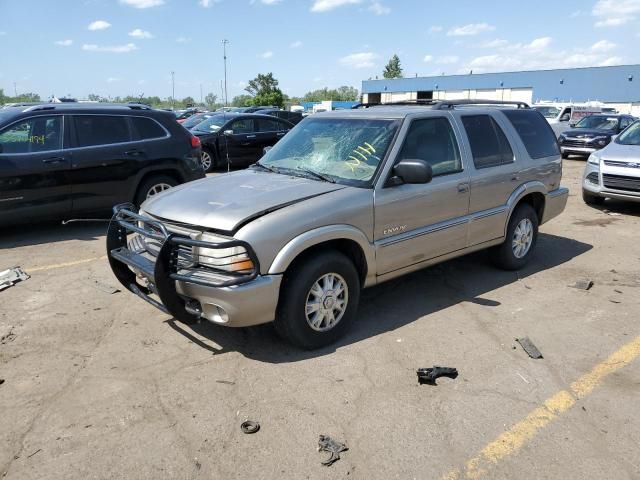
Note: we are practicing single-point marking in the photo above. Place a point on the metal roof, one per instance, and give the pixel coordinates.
(607, 84)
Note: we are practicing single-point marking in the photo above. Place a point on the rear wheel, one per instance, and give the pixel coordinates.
(208, 160)
(591, 199)
(518, 246)
(153, 186)
(319, 300)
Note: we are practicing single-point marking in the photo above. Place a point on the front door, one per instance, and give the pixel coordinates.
(243, 144)
(34, 170)
(415, 223)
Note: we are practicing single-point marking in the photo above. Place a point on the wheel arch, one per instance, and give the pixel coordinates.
(156, 173)
(532, 193)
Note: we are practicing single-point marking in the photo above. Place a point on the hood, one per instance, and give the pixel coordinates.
(226, 202)
(587, 133)
(621, 153)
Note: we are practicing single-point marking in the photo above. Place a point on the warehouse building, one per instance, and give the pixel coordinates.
(617, 86)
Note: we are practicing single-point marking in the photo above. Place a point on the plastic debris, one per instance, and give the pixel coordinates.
(328, 444)
(429, 375)
(249, 427)
(8, 278)
(103, 287)
(584, 284)
(528, 346)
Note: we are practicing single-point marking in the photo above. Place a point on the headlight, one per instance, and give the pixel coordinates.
(602, 141)
(561, 139)
(594, 159)
(232, 259)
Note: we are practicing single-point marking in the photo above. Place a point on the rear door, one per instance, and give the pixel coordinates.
(243, 144)
(34, 170)
(270, 130)
(103, 161)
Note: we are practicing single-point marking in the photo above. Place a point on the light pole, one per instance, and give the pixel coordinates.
(173, 90)
(200, 94)
(224, 49)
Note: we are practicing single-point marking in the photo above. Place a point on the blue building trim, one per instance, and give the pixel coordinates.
(619, 83)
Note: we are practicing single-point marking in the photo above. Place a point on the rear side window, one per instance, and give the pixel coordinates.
(38, 134)
(266, 125)
(243, 126)
(535, 132)
(146, 129)
(100, 130)
(489, 144)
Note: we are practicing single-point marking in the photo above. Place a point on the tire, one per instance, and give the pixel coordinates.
(158, 183)
(314, 273)
(212, 160)
(511, 255)
(590, 199)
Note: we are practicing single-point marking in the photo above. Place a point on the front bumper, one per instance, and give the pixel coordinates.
(578, 150)
(183, 289)
(600, 190)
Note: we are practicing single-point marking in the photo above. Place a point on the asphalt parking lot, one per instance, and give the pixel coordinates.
(101, 385)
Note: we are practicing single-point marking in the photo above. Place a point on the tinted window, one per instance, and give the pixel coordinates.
(265, 125)
(489, 145)
(100, 130)
(433, 140)
(145, 128)
(625, 122)
(535, 133)
(243, 126)
(39, 134)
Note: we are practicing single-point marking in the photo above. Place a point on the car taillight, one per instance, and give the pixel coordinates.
(195, 141)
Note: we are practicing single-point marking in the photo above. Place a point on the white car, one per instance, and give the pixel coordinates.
(614, 171)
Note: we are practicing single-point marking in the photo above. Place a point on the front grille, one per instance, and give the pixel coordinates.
(621, 182)
(614, 163)
(575, 143)
(593, 178)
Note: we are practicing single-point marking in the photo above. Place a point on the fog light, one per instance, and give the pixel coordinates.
(219, 314)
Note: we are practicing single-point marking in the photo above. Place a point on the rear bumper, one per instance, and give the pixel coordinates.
(188, 292)
(555, 203)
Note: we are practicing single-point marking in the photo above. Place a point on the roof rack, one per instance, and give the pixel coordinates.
(80, 106)
(442, 104)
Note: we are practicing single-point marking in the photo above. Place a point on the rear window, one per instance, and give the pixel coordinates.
(489, 145)
(94, 130)
(535, 133)
(146, 129)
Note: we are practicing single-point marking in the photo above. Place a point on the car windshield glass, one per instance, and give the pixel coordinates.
(344, 150)
(631, 136)
(598, 122)
(211, 124)
(549, 112)
(195, 120)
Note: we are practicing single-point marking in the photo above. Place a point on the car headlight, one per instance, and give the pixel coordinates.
(594, 159)
(602, 141)
(232, 259)
(561, 139)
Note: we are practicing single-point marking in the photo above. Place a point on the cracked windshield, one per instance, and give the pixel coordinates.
(342, 150)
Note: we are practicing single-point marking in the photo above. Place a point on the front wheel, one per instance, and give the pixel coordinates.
(153, 186)
(522, 234)
(591, 199)
(318, 300)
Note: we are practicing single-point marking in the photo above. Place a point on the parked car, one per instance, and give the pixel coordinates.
(346, 200)
(563, 116)
(69, 160)
(193, 120)
(186, 114)
(614, 171)
(592, 133)
(258, 109)
(293, 117)
(237, 139)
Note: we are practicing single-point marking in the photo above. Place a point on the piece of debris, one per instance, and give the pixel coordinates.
(524, 379)
(103, 287)
(250, 427)
(6, 334)
(38, 450)
(584, 284)
(1, 381)
(528, 346)
(8, 278)
(617, 291)
(614, 301)
(429, 375)
(226, 382)
(328, 444)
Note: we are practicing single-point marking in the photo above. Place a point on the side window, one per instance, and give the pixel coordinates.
(100, 130)
(146, 128)
(243, 126)
(535, 132)
(566, 115)
(624, 122)
(38, 134)
(267, 125)
(489, 145)
(433, 140)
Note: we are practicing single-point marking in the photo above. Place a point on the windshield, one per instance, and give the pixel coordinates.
(548, 112)
(631, 135)
(211, 124)
(598, 122)
(195, 120)
(342, 150)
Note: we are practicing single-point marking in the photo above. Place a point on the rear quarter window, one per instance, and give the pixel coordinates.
(146, 129)
(535, 132)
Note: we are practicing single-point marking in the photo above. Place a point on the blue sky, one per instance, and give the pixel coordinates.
(120, 47)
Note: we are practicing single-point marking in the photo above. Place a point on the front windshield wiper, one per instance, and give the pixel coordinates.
(264, 167)
(318, 175)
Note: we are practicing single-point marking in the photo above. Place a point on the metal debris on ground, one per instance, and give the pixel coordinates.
(250, 427)
(528, 346)
(328, 444)
(1, 381)
(584, 284)
(8, 278)
(103, 287)
(226, 382)
(429, 375)
(6, 334)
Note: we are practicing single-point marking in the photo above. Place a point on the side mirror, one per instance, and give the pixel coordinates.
(265, 150)
(413, 171)
(228, 132)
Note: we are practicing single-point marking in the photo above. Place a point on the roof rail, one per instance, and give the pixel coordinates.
(426, 103)
(80, 106)
(450, 104)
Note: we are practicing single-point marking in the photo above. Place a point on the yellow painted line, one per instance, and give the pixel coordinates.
(511, 441)
(63, 265)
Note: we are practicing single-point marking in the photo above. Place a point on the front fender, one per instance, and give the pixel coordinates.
(321, 235)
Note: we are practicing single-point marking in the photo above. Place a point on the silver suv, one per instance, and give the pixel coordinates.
(346, 200)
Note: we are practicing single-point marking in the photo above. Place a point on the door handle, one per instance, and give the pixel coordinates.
(134, 153)
(251, 136)
(53, 160)
(281, 133)
(463, 187)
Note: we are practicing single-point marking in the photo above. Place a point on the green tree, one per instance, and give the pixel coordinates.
(242, 101)
(343, 93)
(393, 68)
(188, 102)
(210, 101)
(264, 90)
(93, 97)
